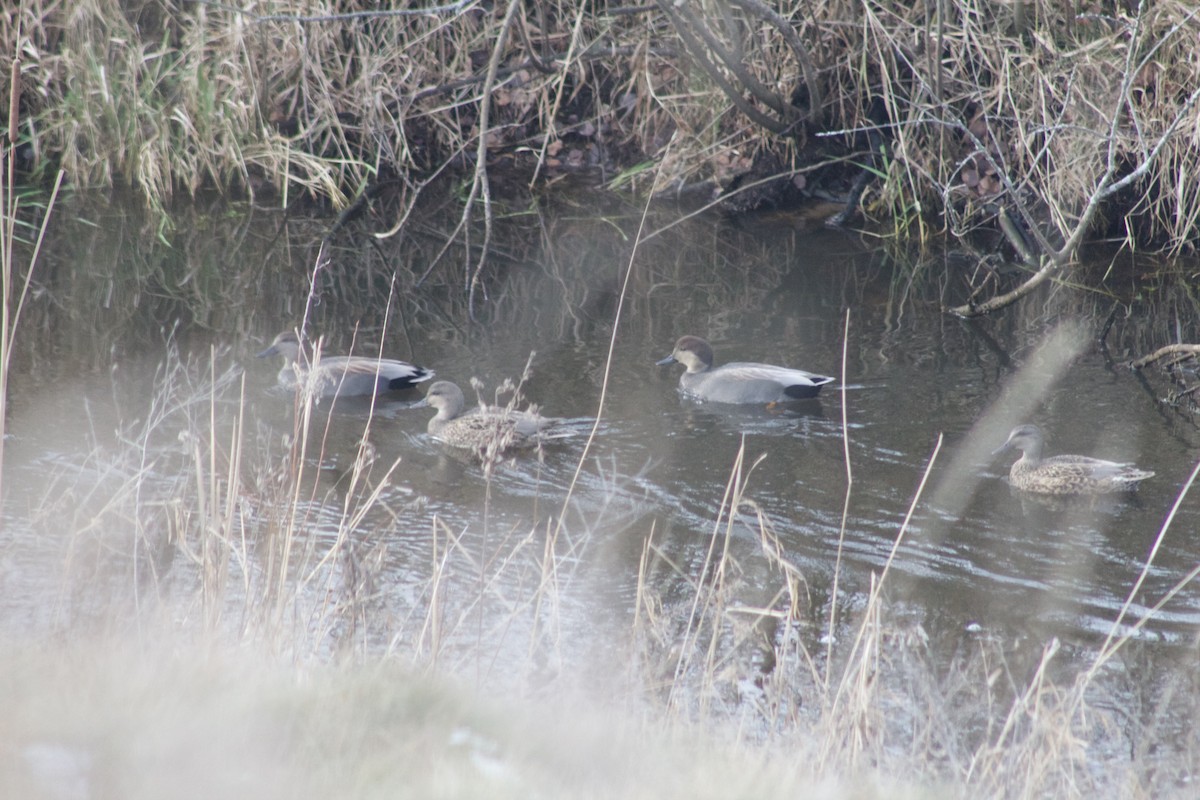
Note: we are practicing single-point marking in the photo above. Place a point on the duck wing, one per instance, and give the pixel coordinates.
(769, 372)
(1096, 468)
(499, 430)
(1069, 474)
(747, 382)
(353, 375)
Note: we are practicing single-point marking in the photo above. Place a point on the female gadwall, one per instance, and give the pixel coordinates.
(1064, 474)
(739, 382)
(343, 376)
(495, 430)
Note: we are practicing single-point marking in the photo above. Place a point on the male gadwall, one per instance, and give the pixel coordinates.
(1064, 475)
(739, 381)
(494, 430)
(344, 376)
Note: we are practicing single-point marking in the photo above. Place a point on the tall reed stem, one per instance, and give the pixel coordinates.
(10, 313)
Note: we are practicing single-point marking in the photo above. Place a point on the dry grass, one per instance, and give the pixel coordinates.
(876, 696)
(1074, 127)
(1075, 119)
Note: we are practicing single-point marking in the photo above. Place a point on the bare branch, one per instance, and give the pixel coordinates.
(1049, 267)
(1163, 352)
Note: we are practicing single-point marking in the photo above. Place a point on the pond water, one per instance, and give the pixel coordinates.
(135, 363)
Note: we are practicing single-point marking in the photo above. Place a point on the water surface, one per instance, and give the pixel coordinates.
(131, 344)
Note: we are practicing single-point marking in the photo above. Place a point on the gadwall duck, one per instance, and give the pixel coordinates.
(343, 376)
(1063, 475)
(486, 430)
(739, 381)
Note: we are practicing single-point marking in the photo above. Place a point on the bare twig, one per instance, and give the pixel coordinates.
(480, 185)
(1049, 267)
(785, 29)
(1189, 350)
(689, 26)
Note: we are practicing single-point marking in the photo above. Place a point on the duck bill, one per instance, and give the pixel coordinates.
(270, 351)
(663, 362)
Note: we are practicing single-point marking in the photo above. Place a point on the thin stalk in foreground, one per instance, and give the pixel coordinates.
(837, 564)
(1110, 647)
(873, 598)
(608, 356)
(10, 315)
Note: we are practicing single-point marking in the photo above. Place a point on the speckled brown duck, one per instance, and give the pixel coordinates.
(341, 376)
(1065, 474)
(486, 430)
